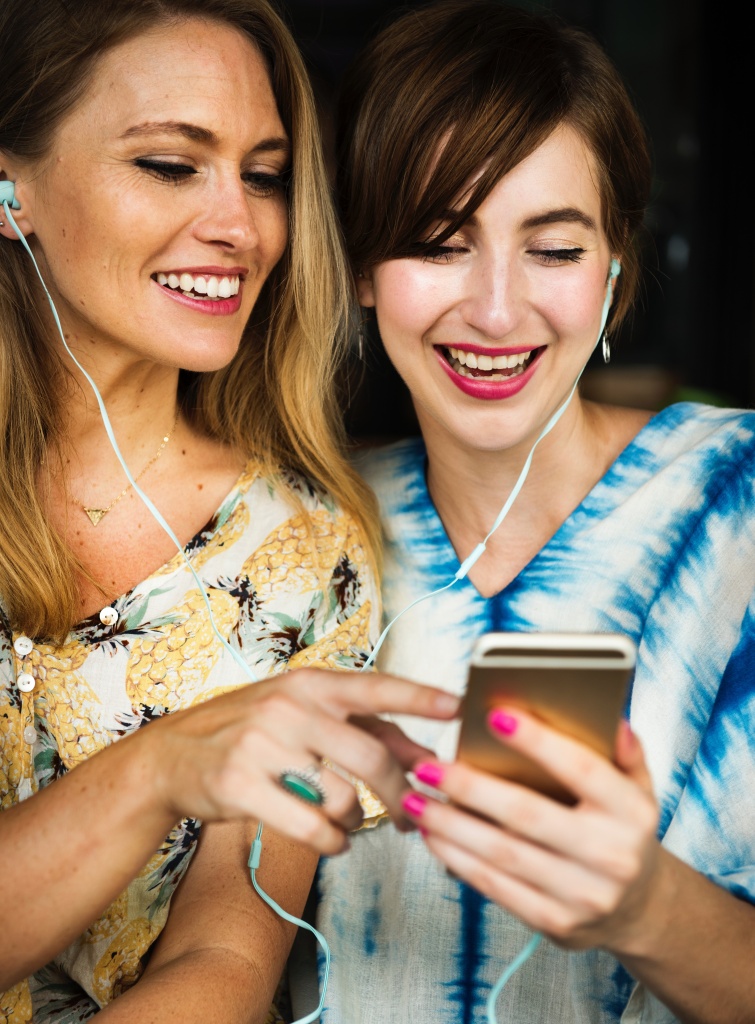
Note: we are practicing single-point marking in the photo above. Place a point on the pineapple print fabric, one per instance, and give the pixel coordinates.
(283, 592)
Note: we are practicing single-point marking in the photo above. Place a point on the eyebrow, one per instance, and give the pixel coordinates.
(195, 133)
(567, 215)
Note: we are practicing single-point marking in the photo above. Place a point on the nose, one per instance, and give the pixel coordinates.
(494, 296)
(227, 217)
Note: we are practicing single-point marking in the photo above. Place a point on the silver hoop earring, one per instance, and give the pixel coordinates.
(606, 347)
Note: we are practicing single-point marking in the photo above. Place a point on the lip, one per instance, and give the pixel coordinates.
(214, 307)
(490, 390)
(486, 350)
(214, 271)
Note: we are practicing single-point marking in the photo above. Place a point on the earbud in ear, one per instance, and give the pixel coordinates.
(8, 195)
(615, 269)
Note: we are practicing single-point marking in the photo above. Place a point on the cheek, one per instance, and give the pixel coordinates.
(407, 302)
(272, 226)
(572, 304)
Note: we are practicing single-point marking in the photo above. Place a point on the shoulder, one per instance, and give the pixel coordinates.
(691, 456)
(692, 427)
(396, 473)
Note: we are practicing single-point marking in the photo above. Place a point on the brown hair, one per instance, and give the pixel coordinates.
(490, 83)
(276, 400)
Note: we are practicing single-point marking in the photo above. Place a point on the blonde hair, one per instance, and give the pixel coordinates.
(276, 400)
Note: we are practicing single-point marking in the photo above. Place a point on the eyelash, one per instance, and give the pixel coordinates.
(263, 185)
(446, 253)
(560, 255)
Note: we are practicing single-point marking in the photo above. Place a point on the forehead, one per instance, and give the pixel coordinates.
(197, 71)
(561, 173)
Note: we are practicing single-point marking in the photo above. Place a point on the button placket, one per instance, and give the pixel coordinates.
(25, 681)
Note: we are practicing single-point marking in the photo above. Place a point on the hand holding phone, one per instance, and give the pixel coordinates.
(574, 682)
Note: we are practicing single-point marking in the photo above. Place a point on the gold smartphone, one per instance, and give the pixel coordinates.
(575, 682)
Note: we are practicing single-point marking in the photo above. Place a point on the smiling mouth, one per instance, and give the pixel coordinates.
(478, 366)
(210, 287)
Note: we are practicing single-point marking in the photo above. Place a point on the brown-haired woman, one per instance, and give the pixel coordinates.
(161, 160)
(493, 176)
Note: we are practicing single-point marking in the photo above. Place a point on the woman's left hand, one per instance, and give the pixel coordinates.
(584, 874)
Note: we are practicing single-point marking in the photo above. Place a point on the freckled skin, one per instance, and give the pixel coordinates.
(103, 225)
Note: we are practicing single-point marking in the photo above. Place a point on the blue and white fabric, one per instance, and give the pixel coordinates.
(663, 550)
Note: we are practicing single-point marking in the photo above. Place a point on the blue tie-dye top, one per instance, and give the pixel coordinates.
(663, 550)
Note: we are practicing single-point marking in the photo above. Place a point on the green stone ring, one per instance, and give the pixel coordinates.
(304, 783)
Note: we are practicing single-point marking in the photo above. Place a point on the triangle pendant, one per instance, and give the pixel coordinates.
(95, 514)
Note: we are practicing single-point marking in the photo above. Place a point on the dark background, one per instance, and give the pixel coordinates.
(688, 68)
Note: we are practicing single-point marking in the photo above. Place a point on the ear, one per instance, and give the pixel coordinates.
(365, 291)
(18, 209)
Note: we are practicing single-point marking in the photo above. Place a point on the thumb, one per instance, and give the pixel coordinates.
(629, 757)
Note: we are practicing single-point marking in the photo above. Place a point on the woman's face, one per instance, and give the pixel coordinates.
(492, 329)
(160, 212)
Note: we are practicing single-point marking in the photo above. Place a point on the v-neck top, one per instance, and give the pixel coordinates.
(282, 594)
(662, 549)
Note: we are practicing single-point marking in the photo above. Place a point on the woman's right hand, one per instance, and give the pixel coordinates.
(222, 760)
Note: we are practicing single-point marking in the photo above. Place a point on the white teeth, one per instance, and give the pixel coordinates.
(202, 286)
(480, 361)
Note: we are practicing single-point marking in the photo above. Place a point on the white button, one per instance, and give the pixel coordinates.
(108, 616)
(25, 682)
(30, 734)
(22, 645)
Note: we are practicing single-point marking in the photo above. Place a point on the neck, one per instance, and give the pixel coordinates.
(141, 402)
(469, 486)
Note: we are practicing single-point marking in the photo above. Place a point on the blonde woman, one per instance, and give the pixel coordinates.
(166, 174)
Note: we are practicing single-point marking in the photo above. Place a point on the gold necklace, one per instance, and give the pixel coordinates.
(96, 514)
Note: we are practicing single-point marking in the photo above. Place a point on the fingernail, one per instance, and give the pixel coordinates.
(414, 804)
(431, 774)
(503, 723)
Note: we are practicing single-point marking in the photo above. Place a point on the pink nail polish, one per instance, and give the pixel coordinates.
(503, 723)
(431, 774)
(414, 804)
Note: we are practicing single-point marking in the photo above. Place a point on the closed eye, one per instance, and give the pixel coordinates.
(266, 185)
(165, 170)
(551, 256)
(441, 253)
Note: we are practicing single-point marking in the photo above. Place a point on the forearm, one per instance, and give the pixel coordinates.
(695, 949)
(81, 840)
(205, 986)
(222, 952)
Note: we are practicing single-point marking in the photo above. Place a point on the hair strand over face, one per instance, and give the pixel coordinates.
(462, 91)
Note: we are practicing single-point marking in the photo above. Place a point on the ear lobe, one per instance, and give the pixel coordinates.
(10, 197)
(365, 290)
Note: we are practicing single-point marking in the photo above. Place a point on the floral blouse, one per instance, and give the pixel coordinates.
(284, 595)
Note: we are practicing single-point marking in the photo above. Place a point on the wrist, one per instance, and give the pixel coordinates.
(648, 928)
(148, 756)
